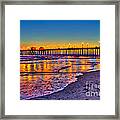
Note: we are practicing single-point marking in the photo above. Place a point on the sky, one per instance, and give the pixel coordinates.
(58, 33)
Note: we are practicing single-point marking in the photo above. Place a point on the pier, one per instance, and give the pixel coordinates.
(64, 51)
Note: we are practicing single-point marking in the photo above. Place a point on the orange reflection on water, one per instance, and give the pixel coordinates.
(72, 65)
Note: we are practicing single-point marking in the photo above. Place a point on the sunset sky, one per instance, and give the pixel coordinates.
(59, 33)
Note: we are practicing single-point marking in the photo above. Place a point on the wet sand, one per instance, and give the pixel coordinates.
(87, 87)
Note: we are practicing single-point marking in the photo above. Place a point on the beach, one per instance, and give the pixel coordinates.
(87, 87)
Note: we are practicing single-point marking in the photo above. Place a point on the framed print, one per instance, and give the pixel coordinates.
(60, 60)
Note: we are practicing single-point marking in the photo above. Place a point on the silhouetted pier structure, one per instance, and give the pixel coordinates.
(64, 51)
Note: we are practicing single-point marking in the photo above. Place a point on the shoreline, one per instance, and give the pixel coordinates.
(87, 87)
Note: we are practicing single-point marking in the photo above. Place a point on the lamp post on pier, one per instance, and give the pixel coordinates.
(82, 48)
(87, 49)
